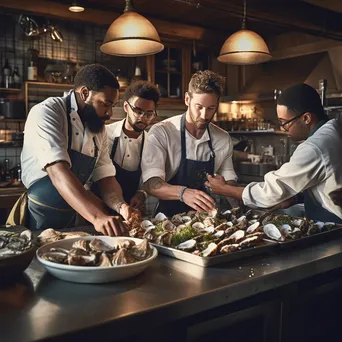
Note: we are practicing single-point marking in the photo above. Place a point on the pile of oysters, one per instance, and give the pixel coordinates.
(204, 234)
(13, 243)
(96, 252)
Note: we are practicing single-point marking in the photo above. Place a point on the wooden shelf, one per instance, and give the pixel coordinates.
(48, 84)
(10, 90)
(11, 120)
(169, 72)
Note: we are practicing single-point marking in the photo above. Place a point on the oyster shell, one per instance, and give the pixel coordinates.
(177, 219)
(198, 225)
(146, 223)
(142, 251)
(104, 260)
(160, 217)
(237, 236)
(219, 233)
(230, 248)
(249, 242)
(297, 222)
(164, 239)
(222, 226)
(125, 244)
(295, 234)
(186, 219)
(98, 245)
(187, 245)
(48, 235)
(26, 234)
(253, 227)
(285, 229)
(168, 226)
(273, 232)
(81, 260)
(210, 250)
(123, 257)
(81, 244)
(54, 256)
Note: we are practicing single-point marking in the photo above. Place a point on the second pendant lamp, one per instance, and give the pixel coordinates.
(131, 35)
(244, 47)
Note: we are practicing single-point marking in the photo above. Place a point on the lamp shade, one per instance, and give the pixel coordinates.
(244, 47)
(131, 35)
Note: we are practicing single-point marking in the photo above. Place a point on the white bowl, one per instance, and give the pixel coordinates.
(93, 274)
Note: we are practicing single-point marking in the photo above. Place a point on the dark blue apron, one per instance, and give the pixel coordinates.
(128, 180)
(46, 207)
(191, 173)
(313, 210)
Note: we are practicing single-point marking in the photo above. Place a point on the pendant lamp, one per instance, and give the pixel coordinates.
(244, 47)
(131, 35)
(76, 7)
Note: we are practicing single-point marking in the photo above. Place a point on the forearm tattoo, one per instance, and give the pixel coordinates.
(154, 183)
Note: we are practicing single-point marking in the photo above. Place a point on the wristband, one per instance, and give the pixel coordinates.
(117, 207)
(181, 192)
(143, 192)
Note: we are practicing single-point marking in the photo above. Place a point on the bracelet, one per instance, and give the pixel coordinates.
(181, 192)
(143, 192)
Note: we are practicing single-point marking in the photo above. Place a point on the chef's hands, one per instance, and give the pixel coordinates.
(198, 200)
(129, 213)
(110, 225)
(215, 183)
(138, 201)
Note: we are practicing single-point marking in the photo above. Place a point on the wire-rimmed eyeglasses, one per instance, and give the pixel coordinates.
(141, 113)
(286, 123)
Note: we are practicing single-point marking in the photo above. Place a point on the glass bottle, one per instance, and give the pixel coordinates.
(16, 78)
(7, 72)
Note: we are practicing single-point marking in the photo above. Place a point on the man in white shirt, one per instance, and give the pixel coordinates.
(180, 151)
(126, 139)
(65, 144)
(315, 168)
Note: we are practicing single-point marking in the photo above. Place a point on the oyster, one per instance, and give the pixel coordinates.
(142, 251)
(26, 234)
(58, 257)
(123, 257)
(160, 217)
(125, 244)
(209, 230)
(48, 235)
(168, 226)
(198, 225)
(249, 242)
(295, 234)
(209, 221)
(285, 229)
(164, 239)
(230, 248)
(146, 223)
(210, 250)
(187, 245)
(104, 260)
(273, 232)
(237, 236)
(222, 226)
(297, 222)
(98, 245)
(177, 220)
(81, 244)
(313, 229)
(219, 233)
(186, 219)
(253, 228)
(230, 230)
(329, 225)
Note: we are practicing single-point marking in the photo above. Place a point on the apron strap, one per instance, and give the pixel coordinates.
(114, 147)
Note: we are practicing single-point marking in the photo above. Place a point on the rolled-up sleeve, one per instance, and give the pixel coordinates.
(154, 154)
(104, 166)
(304, 170)
(50, 136)
(226, 169)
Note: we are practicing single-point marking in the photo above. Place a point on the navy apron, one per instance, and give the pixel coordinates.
(128, 180)
(191, 173)
(313, 210)
(46, 207)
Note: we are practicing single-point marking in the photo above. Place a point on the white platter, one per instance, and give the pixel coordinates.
(93, 274)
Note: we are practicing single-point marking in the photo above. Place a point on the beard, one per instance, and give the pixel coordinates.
(136, 128)
(200, 123)
(94, 123)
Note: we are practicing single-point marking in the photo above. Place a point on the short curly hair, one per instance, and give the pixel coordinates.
(95, 77)
(143, 89)
(206, 82)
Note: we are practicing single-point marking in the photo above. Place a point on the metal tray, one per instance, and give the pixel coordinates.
(266, 247)
(309, 239)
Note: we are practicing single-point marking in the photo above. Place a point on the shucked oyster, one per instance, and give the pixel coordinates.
(142, 251)
(104, 260)
(81, 244)
(98, 245)
(123, 257)
(79, 257)
(126, 244)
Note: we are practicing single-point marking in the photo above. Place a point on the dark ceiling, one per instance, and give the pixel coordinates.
(267, 17)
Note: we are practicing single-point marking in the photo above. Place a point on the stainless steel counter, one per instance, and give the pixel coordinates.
(40, 307)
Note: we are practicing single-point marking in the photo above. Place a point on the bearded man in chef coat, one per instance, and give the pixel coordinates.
(315, 167)
(65, 144)
(180, 151)
(126, 139)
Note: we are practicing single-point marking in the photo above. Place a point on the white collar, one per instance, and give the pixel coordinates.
(118, 131)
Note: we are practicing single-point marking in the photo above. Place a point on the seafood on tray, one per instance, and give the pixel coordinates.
(283, 227)
(12, 243)
(50, 235)
(204, 234)
(97, 252)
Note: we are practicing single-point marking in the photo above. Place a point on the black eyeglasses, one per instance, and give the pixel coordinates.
(140, 113)
(283, 124)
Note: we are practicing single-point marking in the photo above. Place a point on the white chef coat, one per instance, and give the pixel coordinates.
(46, 140)
(315, 165)
(162, 150)
(128, 151)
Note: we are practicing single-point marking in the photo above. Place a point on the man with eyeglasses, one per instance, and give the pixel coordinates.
(180, 151)
(315, 167)
(65, 144)
(126, 139)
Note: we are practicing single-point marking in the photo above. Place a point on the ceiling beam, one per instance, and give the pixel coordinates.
(105, 18)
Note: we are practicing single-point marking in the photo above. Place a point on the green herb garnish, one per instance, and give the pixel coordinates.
(185, 234)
